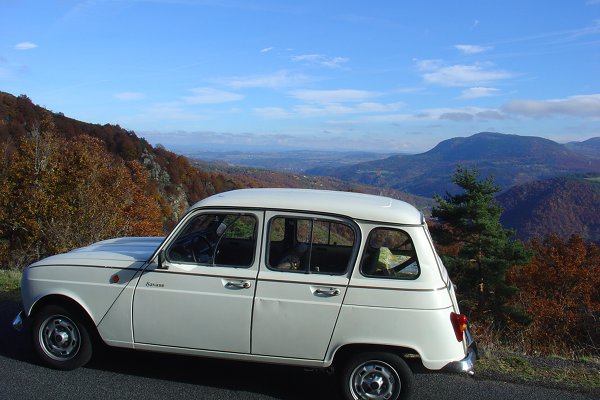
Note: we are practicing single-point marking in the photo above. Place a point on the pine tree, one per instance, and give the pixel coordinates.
(479, 249)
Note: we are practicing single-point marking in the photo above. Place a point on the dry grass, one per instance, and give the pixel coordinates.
(10, 285)
(549, 371)
(514, 360)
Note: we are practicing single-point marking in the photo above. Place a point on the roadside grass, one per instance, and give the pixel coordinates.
(10, 285)
(581, 374)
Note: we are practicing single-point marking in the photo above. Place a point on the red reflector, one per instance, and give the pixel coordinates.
(115, 278)
(459, 323)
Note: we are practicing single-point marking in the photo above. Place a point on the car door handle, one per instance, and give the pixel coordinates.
(327, 292)
(238, 284)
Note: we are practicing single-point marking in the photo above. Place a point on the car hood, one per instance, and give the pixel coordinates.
(131, 252)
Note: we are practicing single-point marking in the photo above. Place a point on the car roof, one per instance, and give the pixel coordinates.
(354, 205)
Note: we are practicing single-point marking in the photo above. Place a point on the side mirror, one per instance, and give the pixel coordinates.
(161, 260)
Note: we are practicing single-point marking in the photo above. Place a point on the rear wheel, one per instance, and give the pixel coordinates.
(377, 376)
(61, 337)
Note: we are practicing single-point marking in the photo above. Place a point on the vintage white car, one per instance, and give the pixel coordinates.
(318, 279)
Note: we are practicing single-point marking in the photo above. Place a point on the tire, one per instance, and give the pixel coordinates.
(61, 337)
(377, 376)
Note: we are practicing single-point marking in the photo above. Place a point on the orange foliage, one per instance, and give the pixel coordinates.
(560, 289)
(58, 194)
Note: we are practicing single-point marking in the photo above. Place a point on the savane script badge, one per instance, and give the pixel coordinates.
(152, 284)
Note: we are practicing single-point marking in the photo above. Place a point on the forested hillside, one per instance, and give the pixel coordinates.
(66, 183)
(563, 206)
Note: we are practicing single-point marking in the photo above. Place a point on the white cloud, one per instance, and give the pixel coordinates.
(266, 50)
(129, 96)
(408, 89)
(279, 79)
(460, 75)
(477, 92)
(592, 2)
(206, 95)
(429, 65)
(166, 111)
(333, 96)
(471, 48)
(461, 114)
(457, 116)
(272, 112)
(370, 107)
(25, 46)
(327, 110)
(490, 115)
(307, 110)
(321, 60)
(574, 106)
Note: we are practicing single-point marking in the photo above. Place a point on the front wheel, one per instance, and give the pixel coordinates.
(61, 338)
(377, 376)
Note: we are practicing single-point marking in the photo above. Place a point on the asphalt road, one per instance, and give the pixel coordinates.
(121, 374)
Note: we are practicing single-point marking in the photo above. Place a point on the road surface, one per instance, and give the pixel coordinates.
(124, 374)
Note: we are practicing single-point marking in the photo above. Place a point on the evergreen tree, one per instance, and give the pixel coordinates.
(479, 251)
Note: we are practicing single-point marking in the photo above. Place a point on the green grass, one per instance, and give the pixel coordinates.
(10, 285)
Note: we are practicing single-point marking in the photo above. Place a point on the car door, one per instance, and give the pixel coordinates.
(301, 284)
(202, 298)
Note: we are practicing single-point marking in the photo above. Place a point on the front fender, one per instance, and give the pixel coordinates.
(95, 289)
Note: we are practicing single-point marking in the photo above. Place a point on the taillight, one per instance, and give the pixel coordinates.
(459, 323)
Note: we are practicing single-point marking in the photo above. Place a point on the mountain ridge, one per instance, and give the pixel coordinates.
(511, 159)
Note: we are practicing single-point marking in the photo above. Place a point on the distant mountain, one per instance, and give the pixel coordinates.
(511, 159)
(565, 206)
(260, 177)
(589, 148)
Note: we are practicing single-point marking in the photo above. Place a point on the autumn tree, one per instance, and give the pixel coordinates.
(29, 184)
(479, 249)
(58, 194)
(560, 288)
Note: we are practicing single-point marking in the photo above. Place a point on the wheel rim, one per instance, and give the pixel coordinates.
(59, 338)
(374, 380)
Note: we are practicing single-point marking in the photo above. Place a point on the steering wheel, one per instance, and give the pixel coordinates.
(196, 247)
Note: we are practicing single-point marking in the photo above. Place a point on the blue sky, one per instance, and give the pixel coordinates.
(361, 75)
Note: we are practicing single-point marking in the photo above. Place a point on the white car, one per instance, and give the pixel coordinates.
(316, 279)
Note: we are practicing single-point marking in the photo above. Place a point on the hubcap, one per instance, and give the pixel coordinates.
(59, 338)
(374, 380)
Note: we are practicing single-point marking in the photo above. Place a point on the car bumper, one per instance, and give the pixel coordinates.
(18, 322)
(467, 364)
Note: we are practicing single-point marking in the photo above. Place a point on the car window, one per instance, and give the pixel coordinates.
(390, 253)
(216, 239)
(310, 245)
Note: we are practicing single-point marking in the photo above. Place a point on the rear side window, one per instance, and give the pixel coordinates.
(390, 253)
(310, 245)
